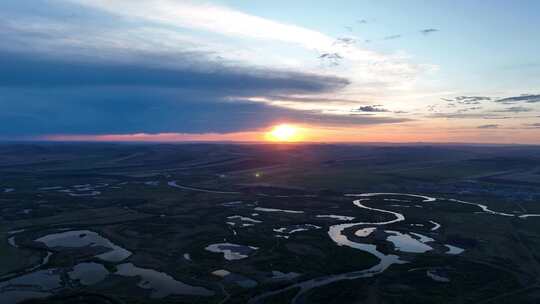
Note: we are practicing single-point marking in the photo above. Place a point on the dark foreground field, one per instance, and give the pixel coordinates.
(218, 223)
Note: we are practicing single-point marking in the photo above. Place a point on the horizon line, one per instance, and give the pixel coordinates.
(261, 142)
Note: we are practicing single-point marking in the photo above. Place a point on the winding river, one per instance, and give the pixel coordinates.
(339, 233)
(336, 233)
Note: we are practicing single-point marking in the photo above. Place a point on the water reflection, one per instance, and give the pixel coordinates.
(83, 238)
(231, 251)
(160, 283)
(88, 273)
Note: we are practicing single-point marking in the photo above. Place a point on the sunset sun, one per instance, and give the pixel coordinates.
(284, 133)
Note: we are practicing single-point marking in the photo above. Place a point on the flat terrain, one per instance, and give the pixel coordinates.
(224, 223)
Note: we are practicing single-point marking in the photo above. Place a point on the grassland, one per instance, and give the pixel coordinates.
(126, 198)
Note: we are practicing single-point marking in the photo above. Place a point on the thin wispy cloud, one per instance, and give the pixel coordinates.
(517, 109)
(345, 41)
(527, 98)
(371, 109)
(211, 18)
(309, 99)
(469, 109)
(392, 37)
(491, 126)
(332, 59)
(468, 100)
(465, 115)
(424, 32)
(428, 31)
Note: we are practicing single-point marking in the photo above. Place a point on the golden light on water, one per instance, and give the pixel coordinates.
(284, 133)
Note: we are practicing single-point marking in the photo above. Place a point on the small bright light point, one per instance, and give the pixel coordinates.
(284, 133)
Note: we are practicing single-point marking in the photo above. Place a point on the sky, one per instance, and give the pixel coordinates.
(340, 71)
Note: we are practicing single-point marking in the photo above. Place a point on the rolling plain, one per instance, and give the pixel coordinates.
(269, 223)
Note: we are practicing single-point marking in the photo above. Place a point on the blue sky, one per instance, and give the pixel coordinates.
(492, 36)
(463, 71)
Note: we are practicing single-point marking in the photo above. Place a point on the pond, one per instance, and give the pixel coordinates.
(231, 251)
(83, 238)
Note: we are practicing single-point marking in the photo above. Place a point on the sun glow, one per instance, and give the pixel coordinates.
(284, 133)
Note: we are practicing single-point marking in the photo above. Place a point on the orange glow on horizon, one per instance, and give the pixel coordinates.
(284, 133)
(412, 132)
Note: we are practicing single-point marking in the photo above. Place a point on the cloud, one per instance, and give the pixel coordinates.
(371, 109)
(162, 29)
(392, 37)
(533, 125)
(42, 95)
(226, 21)
(471, 98)
(211, 18)
(345, 41)
(123, 67)
(468, 100)
(465, 115)
(331, 58)
(128, 110)
(518, 109)
(528, 98)
(500, 117)
(469, 109)
(309, 99)
(428, 31)
(26, 70)
(492, 126)
(335, 56)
